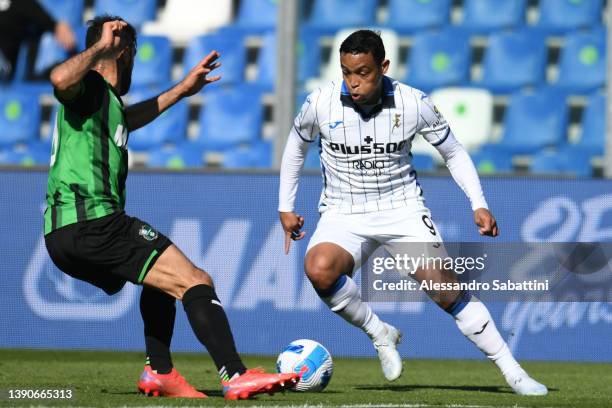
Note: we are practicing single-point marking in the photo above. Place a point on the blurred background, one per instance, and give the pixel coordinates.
(522, 83)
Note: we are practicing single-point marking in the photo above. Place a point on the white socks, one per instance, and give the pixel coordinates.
(476, 323)
(345, 300)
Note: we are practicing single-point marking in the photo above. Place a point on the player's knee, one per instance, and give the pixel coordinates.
(194, 277)
(321, 271)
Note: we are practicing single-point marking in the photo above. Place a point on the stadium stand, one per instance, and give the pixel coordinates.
(19, 116)
(153, 62)
(592, 137)
(330, 16)
(432, 45)
(256, 155)
(469, 111)
(176, 157)
(502, 73)
(178, 22)
(169, 127)
(563, 161)
(33, 154)
(562, 16)
(438, 59)
(412, 16)
(257, 16)
(230, 117)
(230, 44)
(71, 11)
(582, 65)
(136, 12)
(534, 120)
(486, 16)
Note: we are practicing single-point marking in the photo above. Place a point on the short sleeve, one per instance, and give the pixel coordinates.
(431, 124)
(306, 123)
(89, 98)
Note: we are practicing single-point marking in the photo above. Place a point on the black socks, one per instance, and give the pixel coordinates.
(158, 311)
(211, 327)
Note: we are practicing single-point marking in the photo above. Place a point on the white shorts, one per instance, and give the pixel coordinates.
(361, 234)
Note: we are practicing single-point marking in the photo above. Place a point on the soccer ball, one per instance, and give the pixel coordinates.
(309, 359)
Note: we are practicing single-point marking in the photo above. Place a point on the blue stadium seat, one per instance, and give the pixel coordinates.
(513, 60)
(153, 61)
(257, 15)
(334, 15)
(266, 62)
(593, 135)
(135, 12)
(534, 120)
(186, 155)
(422, 162)
(491, 161)
(486, 16)
(562, 162)
(230, 44)
(438, 59)
(309, 54)
(256, 155)
(412, 16)
(582, 65)
(230, 117)
(562, 16)
(51, 53)
(70, 11)
(19, 116)
(169, 127)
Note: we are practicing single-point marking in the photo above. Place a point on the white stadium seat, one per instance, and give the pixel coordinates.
(181, 20)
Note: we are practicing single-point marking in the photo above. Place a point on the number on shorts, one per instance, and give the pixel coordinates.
(429, 224)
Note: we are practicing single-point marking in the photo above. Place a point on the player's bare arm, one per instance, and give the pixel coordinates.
(67, 76)
(140, 114)
(292, 224)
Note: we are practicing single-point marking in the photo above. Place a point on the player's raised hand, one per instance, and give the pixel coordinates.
(197, 78)
(486, 222)
(292, 224)
(111, 41)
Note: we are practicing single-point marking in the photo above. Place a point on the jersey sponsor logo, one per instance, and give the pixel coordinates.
(147, 232)
(377, 148)
(121, 136)
(335, 124)
(368, 167)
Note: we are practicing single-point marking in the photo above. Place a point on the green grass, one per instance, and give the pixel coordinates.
(109, 378)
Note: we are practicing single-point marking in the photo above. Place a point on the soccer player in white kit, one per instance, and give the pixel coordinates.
(371, 197)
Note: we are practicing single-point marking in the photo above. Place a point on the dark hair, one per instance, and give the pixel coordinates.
(363, 42)
(94, 30)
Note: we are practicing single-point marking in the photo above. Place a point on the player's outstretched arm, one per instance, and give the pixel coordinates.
(66, 77)
(140, 114)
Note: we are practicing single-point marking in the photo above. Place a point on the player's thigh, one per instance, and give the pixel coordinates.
(335, 249)
(173, 273)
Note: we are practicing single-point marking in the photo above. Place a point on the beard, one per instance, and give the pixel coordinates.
(126, 80)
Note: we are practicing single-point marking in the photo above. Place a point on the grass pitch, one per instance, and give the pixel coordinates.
(109, 379)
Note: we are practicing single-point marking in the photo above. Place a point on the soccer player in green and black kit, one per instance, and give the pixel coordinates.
(89, 236)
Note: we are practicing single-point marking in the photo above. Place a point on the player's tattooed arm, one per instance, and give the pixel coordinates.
(140, 114)
(66, 77)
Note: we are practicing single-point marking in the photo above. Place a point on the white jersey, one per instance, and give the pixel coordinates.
(365, 157)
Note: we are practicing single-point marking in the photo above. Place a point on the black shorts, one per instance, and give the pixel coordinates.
(108, 251)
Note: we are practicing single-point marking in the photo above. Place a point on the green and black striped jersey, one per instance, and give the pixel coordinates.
(89, 156)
